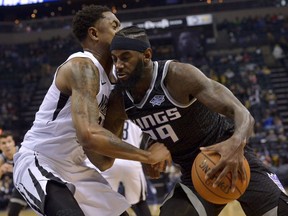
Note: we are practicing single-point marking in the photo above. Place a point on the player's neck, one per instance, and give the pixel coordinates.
(143, 85)
(104, 59)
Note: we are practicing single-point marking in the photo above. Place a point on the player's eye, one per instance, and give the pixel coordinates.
(114, 59)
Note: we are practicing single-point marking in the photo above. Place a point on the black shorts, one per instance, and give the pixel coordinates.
(16, 197)
(264, 190)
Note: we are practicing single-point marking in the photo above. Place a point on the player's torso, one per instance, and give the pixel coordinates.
(183, 128)
(53, 124)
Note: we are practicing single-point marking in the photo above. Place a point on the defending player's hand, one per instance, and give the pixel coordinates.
(159, 153)
(231, 161)
(150, 171)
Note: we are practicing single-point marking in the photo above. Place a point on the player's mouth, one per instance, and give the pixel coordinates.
(122, 76)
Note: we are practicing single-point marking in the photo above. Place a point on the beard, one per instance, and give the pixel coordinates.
(133, 79)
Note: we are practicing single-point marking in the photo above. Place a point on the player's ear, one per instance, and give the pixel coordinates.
(93, 33)
(148, 54)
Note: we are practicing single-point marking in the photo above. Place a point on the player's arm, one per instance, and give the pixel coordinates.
(151, 170)
(215, 96)
(115, 115)
(81, 78)
(71, 76)
(114, 122)
(219, 99)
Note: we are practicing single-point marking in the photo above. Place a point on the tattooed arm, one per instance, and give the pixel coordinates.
(79, 78)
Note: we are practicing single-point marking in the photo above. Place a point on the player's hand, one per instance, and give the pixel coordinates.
(151, 172)
(160, 166)
(231, 161)
(160, 156)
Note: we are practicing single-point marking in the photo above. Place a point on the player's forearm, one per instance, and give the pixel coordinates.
(231, 107)
(100, 161)
(244, 125)
(105, 143)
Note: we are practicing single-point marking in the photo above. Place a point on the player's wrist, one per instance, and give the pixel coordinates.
(239, 139)
(148, 158)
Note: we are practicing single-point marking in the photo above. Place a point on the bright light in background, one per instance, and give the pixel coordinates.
(21, 2)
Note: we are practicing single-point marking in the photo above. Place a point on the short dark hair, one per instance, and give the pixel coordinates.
(6, 134)
(134, 32)
(85, 18)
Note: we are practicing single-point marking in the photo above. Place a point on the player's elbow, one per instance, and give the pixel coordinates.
(102, 162)
(105, 166)
(250, 119)
(85, 138)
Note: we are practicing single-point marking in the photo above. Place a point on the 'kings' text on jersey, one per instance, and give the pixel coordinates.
(181, 127)
(159, 118)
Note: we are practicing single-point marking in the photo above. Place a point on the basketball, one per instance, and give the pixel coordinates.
(222, 193)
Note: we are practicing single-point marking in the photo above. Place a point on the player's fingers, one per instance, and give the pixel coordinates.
(219, 178)
(156, 166)
(155, 174)
(234, 178)
(207, 148)
(168, 161)
(242, 173)
(212, 172)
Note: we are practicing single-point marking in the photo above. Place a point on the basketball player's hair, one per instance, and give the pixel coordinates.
(134, 32)
(130, 38)
(86, 18)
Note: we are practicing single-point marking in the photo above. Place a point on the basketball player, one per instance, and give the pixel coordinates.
(8, 149)
(130, 173)
(50, 170)
(179, 106)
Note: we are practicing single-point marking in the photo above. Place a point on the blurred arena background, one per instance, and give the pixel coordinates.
(240, 43)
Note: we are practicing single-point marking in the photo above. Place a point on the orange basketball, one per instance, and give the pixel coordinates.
(222, 193)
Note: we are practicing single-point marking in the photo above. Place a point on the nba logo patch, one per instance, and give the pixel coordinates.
(157, 100)
(275, 179)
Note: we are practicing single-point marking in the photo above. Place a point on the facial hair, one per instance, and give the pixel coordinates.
(134, 77)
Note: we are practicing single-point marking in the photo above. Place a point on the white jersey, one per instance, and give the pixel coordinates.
(132, 134)
(50, 151)
(129, 172)
(53, 129)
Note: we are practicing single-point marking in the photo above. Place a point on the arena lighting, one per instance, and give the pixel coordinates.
(22, 2)
(210, 1)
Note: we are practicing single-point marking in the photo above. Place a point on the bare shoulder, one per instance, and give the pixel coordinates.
(75, 67)
(184, 81)
(76, 73)
(183, 73)
(179, 69)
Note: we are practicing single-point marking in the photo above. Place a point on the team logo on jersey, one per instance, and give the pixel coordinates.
(275, 179)
(102, 109)
(157, 100)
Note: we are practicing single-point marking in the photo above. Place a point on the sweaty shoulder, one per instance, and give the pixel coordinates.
(178, 69)
(182, 80)
(75, 71)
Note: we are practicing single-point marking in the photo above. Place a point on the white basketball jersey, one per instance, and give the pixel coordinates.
(53, 133)
(132, 134)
